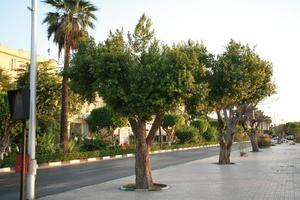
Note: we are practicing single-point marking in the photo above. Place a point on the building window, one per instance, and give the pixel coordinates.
(12, 64)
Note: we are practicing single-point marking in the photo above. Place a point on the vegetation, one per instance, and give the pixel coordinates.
(105, 118)
(293, 128)
(187, 134)
(210, 134)
(170, 123)
(140, 79)
(238, 78)
(264, 140)
(68, 25)
(7, 132)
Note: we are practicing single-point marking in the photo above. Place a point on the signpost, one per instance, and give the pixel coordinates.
(19, 110)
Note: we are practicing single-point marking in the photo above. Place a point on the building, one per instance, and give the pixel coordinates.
(14, 60)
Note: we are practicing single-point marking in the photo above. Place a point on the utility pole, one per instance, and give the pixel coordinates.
(32, 114)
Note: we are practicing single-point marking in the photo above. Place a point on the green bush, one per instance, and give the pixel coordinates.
(201, 125)
(46, 144)
(93, 144)
(210, 134)
(187, 134)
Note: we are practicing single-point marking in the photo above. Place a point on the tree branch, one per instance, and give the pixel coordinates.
(157, 122)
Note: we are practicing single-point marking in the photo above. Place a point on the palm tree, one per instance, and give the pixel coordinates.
(68, 24)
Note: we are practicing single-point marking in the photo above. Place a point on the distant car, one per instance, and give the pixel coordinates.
(290, 137)
(274, 141)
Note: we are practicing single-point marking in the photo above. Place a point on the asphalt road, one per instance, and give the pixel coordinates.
(60, 179)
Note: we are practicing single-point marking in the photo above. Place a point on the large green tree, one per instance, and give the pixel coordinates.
(238, 77)
(68, 25)
(47, 97)
(140, 79)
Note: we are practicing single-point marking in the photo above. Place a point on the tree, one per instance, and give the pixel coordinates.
(238, 77)
(68, 25)
(293, 128)
(250, 121)
(5, 81)
(140, 79)
(170, 123)
(6, 124)
(105, 118)
(47, 97)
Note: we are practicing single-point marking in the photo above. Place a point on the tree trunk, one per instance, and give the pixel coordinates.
(225, 150)
(64, 103)
(253, 139)
(143, 175)
(225, 144)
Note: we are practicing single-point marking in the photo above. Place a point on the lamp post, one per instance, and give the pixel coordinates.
(32, 118)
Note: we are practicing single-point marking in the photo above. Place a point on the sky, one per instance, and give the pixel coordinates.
(272, 26)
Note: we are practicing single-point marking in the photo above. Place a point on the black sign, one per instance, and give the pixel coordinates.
(19, 104)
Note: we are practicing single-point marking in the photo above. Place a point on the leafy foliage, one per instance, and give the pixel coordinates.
(187, 134)
(70, 21)
(6, 82)
(105, 118)
(210, 134)
(170, 123)
(97, 143)
(48, 94)
(201, 124)
(46, 144)
(264, 140)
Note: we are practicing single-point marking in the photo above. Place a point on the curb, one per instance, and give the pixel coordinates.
(80, 161)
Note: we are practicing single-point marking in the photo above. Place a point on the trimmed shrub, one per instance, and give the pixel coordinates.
(187, 134)
(210, 134)
(201, 125)
(263, 140)
(93, 144)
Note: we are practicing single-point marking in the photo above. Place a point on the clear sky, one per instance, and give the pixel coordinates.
(272, 25)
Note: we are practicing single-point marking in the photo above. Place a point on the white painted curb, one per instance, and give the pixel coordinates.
(106, 158)
(91, 159)
(6, 169)
(52, 164)
(74, 161)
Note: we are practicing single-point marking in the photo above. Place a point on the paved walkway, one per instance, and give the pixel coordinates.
(273, 174)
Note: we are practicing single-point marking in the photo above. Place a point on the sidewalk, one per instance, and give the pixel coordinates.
(272, 174)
